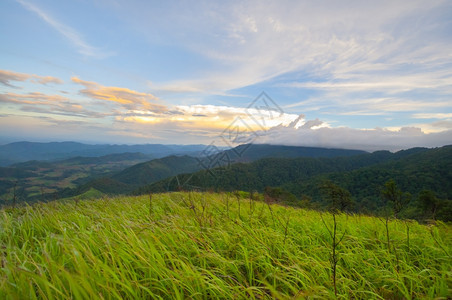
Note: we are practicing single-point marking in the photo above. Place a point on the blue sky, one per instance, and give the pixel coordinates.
(352, 74)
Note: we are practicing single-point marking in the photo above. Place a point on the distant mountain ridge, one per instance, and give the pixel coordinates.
(25, 151)
(82, 160)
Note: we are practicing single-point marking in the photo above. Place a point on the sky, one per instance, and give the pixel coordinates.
(365, 75)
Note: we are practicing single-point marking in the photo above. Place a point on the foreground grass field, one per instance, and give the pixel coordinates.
(204, 246)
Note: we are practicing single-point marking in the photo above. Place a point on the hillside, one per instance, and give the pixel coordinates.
(202, 245)
(277, 171)
(155, 170)
(252, 152)
(427, 170)
(299, 170)
(364, 175)
(162, 168)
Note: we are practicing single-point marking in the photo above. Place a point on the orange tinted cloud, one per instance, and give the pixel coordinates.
(130, 99)
(31, 98)
(7, 76)
(49, 104)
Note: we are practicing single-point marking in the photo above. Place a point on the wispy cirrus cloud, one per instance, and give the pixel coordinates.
(393, 104)
(74, 37)
(7, 76)
(441, 81)
(380, 59)
(432, 115)
(252, 42)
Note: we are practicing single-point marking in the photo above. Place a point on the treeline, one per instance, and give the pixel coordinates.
(424, 206)
(417, 171)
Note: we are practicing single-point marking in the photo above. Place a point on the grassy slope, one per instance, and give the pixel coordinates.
(211, 246)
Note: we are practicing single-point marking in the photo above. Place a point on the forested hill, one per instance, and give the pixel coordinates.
(278, 171)
(158, 169)
(155, 170)
(364, 175)
(252, 152)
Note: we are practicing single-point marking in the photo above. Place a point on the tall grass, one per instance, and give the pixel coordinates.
(199, 245)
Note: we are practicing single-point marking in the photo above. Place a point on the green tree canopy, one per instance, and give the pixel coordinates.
(393, 195)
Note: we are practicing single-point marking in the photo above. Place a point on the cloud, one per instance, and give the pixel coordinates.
(443, 124)
(343, 60)
(177, 89)
(210, 117)
(7, 76)
(349, 138)
(439, 80)
(31, 98)
(378, 59)
(432, 115)
(312, 124)
(69, 33)
(379, 93)
(48, 104)
(129, 99)
(200, 123)
(206, 123)
(47, 79)
(336, 104)
(396, 105)
(252, 42)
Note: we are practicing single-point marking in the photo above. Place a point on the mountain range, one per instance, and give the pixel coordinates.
(136, 176)
(250, 167)
(26, 151)
(364, 175)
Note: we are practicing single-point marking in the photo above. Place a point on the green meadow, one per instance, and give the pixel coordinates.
(215, 246)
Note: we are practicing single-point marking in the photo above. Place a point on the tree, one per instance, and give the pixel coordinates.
(339, 199)
(398, 200)
(428, 203)
(393, 195)
(305, 201)
(280, 195)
